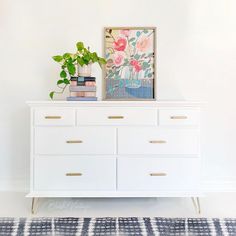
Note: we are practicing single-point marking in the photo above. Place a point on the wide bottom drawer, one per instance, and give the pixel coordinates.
(164, 174)
(71, 173)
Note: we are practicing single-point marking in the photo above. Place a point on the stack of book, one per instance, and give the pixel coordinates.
(82, 89)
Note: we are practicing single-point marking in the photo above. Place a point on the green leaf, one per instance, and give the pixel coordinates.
(110, 76)
(70, 60)
(51, 94)
(57, 58)
(102, 61)
(63, 74)
(145, 65)
(66, 81)
(132, 39)
(71, 68)
(85, 50)
(66, 55)
(145, 31)
(94, 57)
(80, 61)
(60, 82)
(80, 46)
(133, 43)
(138, 33)
(150, 75)
(86, 59)
(136, 56)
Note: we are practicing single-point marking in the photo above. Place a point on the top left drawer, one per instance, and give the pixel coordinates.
(54, 117)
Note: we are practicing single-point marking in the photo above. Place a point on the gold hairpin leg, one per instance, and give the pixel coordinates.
(199, 206)
(33, 205)
(196, 203)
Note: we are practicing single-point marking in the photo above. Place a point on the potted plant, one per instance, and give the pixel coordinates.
(75, 63)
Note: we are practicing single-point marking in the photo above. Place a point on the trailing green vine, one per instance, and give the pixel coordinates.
(70, 61)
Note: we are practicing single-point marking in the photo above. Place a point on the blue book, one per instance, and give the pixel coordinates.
(81, 99)
(83, 79)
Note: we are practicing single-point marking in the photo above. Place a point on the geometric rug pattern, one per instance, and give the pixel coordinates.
(122, 226)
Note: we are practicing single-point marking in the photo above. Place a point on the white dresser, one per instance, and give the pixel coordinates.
(115, 149)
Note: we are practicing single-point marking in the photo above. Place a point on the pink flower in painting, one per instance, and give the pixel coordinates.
(136, 65)
(118, 58)
(125, 32)
(143, 44)
(120, 44)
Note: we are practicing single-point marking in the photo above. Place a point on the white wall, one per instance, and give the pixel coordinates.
(196, 61)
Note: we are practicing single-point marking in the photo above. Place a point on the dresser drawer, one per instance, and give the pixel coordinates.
(152, 174)
(54, 117)
(116, 116)
(151, 140)
(69, 173)
(178, 117)
(73, 140)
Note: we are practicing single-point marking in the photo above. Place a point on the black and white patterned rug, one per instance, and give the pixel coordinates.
(117, 226)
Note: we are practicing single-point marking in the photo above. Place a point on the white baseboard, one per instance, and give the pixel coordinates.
(213, 185)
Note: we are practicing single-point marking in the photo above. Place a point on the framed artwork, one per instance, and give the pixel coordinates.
(130, 70)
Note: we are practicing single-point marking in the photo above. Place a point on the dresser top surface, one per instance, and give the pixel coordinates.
(159, 103)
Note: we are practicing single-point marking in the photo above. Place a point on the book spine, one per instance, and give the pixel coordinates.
(82, 89)
(75, 94)
(80, 83)
(90, 94)
(83, 94)
(90, 83)
(84, 79)
(73, 78)
(73, 83)
(81, 98)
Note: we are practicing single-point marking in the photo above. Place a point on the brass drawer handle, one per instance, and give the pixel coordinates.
(73, 174)
(115, 117)
(158, 174)
(157, 141)
(53, 117)
(178, 117)
(74, 141)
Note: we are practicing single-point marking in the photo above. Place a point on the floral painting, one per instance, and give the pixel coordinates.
(129, 72)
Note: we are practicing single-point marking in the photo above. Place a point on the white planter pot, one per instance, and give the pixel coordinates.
(85, 70)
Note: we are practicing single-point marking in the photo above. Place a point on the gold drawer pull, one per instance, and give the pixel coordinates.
(52, 117)
(73, 174)
(158, 174)
(178, 117)
(74, 141)
(157, 141)
(115, 117)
